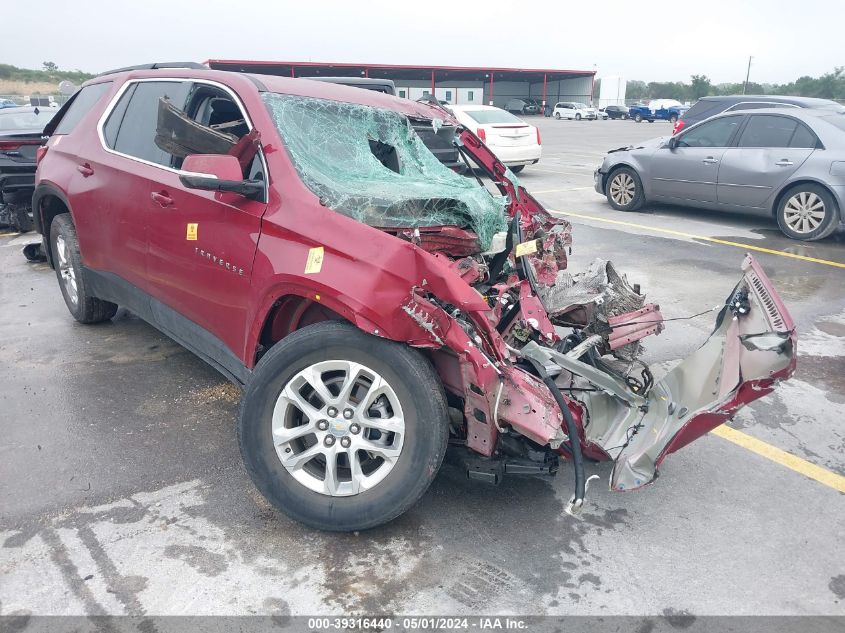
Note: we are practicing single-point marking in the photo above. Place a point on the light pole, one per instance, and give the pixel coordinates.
(747, 75)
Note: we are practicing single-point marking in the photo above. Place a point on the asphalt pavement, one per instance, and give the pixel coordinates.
(122, 489)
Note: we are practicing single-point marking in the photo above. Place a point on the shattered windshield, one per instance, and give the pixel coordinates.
(369, 164)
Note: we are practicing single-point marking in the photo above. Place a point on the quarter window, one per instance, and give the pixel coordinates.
(803, 138)
(82, 102)
(716, 133)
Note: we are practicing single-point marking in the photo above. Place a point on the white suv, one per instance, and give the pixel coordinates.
(574, 110)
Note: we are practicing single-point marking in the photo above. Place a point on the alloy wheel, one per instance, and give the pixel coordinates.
(804, 212)
(622, 189)
(68, 274)
(338, 428)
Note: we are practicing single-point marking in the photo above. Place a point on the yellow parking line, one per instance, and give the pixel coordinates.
(714, 240)
(802, 466)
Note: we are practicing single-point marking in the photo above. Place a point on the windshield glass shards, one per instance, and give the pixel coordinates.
(369, 164)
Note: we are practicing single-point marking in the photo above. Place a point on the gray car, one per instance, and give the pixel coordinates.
(786, 163)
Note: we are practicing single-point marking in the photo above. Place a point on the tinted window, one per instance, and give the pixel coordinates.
(137, 129)
(112, 124)
(79, 106)
(711, 134)
(703, 109)
(767, 131)
(803, 138)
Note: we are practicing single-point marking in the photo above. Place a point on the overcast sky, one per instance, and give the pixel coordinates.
(659, 41)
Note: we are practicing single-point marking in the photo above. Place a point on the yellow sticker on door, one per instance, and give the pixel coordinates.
(191, 235)
(314, 263)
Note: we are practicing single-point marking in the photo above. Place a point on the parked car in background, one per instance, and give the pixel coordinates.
(706, 107)
(21, 130)
(512, 140)
(7, 103)
(522, 106)
(601, 114)
(789, 164)
(661, 110)
(574, 110)
(616, 111)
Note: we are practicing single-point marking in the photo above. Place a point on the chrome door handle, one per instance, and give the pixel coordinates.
(784, 163)
(709, 161)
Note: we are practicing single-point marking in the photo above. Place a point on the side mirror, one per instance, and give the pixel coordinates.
(673, 142)
(218, 172)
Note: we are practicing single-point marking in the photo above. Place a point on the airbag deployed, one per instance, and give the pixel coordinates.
(370, 164)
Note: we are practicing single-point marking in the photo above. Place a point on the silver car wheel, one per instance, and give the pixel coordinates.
(338, 428)
(804, 212)
(622, 189)
(68, 274)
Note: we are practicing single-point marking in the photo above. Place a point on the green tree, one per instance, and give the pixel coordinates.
(636, 90)
(699, 86)
(50, 67)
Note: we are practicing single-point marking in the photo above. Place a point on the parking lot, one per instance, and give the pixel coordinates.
(122, 484)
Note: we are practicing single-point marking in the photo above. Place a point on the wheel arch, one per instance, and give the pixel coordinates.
(789, 186)
(616, 167)
(289, 309)
(48, 201)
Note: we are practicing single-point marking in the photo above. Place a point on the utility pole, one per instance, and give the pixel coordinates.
(747, 75)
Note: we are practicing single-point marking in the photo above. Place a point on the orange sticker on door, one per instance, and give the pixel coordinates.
(314, 263)
(191, 235)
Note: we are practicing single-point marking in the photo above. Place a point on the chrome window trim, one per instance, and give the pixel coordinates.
(113, 103)
(770, 104)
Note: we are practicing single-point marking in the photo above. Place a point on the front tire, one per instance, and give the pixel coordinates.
(807, 212)
(624, 189)
(577, 117)
(83, 306)
(342, 430)
(638, 118)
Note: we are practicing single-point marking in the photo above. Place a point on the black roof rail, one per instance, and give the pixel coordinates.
(155, 66)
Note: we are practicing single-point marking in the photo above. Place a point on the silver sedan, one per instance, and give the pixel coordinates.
(786, 163)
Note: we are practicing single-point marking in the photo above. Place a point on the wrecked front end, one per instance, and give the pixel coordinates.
(538, 363)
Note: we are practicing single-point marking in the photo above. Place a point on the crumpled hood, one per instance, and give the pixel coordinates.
(651, 144)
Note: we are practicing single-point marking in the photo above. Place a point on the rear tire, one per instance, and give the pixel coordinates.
(557, 115)
(83, 306)
(308, 491)
(807, 212)
(624, 189)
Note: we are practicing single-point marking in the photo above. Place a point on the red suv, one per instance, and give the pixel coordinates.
(376, 306)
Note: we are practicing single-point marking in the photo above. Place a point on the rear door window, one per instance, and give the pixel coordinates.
(716, 133)
(765, 130)
(80, 104)
(803, 138)
(134, 131)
